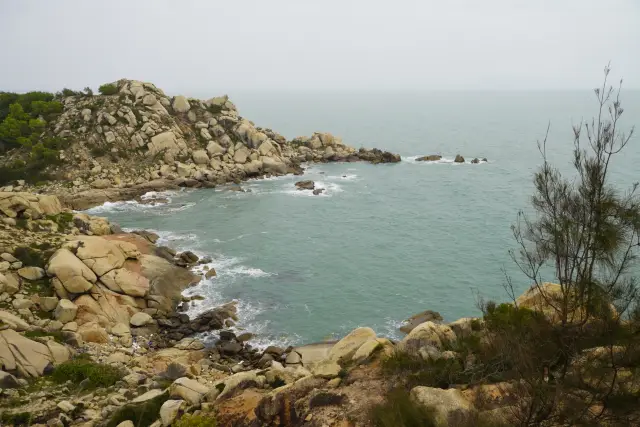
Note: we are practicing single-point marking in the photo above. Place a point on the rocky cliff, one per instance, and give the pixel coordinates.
(139, 138)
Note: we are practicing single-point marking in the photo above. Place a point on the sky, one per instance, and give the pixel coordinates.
(194, 47)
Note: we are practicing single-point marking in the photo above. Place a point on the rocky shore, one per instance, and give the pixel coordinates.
(92, 325)
(138, 140)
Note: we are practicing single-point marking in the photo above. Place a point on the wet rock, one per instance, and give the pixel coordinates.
(318, 191)
(187, 258)
(305, 185)
(459, 159)
(429, 158)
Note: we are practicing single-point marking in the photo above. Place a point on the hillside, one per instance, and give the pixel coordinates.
(134, 138)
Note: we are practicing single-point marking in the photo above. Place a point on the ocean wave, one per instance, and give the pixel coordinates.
(345, 177)
(150, 200)
(329, 189)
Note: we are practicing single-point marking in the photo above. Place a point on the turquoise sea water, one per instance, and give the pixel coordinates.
(383, 242)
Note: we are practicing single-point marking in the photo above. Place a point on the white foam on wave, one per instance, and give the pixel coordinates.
(152, 200)
(330, 188)
(442, 161)
(345, 177)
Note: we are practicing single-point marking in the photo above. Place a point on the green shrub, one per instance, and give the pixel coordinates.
(190, 420)
(68, 92)
(17, 419)
(63, 219)
(57, 335)
(88, 91)
(142, 415)
(79, 369)
(415, 370)
(400, 411)
(98, 151)
(108, 89)
(29, 256)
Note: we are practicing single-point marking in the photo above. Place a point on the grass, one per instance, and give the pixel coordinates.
(57, 335)
(18, 419)
(41, 287)
(80, 369)
(63, 219)
(142, 415)
(415, 370)
(190, 420)
(400, 411)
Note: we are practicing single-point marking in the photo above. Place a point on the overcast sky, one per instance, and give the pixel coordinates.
(196, 47)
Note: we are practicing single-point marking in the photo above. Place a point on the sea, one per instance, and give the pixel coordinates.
(382, 242)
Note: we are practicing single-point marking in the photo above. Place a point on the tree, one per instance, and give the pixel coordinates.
(88, 91)
(585, 236)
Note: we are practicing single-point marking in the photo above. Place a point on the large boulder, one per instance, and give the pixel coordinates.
(167, 281)
(169, 411)
(20, 355)
(96, 226)
(459, 159)
(31, 273)
(126, 282)
(200, 157)
(274, 166)
(13, 321)
(34, 206)
(450, 407)
(105, 308)
(417, 319)
(265, 148)
(240, 381)
(241, 155)
(547, 298)
(213, 148)
(98, 254)
(165, 141)
(140, 319)
(66, 311)
(428, 334)
(190, 390)
(72, 273)
(344, 349)
(181, 104)
(9, 283)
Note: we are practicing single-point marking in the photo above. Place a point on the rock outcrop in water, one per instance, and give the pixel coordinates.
(140, 139)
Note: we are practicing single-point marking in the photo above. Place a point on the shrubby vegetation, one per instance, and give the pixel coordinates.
(23, 122)
(108, 89)
(82, 368)
(142, 415)
(191, 420)
(572, 354)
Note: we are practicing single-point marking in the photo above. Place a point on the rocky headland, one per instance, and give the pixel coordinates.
(92, 324)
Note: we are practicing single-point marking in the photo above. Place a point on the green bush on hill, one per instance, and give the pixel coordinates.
(108, 89)
(80, 369)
